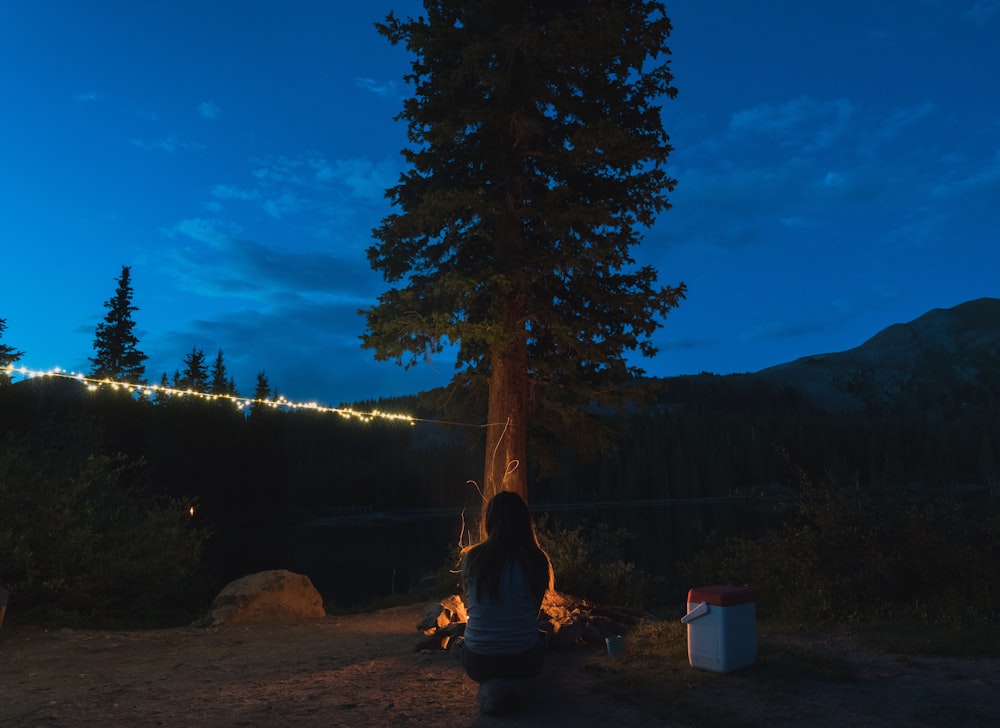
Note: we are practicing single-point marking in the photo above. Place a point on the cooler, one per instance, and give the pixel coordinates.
(722, 627)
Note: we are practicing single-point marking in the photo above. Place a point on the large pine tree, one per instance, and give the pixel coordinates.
(116, 346)
(537, 157)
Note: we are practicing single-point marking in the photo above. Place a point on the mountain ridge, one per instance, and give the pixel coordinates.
(928, 363)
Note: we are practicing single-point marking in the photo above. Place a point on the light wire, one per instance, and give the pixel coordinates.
(151, 390)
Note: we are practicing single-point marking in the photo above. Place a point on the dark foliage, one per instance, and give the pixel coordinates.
(537, 157)
(84, 538)
(592, 561)
(116, 346)
(8, 355)
(882, 511)
(841, 554)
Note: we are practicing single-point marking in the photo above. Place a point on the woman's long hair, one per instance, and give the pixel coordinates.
(510, 536)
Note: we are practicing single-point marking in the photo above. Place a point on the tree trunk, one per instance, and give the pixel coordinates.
(507, 411)
(506, 435)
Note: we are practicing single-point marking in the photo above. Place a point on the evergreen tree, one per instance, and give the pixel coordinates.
(116, 352)
(261, 393)
(162, 397)
(221, 382)
(8, 355)
(195, 373)
(263, 389)
(537, 157)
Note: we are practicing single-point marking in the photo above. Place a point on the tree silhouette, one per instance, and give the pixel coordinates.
(161, 396)
(221, 382)
(263, 388)
(8, 354)
(537, 156)
(116, 352)
(194, 376)
(261, 393)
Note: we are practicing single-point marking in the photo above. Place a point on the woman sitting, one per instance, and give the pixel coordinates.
(505, 579)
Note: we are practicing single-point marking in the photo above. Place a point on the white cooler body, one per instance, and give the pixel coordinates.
(721, 638)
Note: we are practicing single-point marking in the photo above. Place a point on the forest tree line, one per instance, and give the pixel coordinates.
(230, 488)
(118, 354)
(733, 451)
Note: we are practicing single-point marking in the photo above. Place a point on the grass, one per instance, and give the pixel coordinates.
(944, 639)
(653, 669)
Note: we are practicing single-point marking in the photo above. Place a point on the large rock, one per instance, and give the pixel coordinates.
(267, 597)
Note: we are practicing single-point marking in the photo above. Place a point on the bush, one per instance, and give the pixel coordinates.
(84, 541)
(845, 555)
(589, 562)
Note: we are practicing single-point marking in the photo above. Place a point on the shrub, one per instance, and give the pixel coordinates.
(842, 554)
(589, 562)
(83, 540)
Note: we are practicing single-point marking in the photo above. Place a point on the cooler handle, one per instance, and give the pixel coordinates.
(700, 610)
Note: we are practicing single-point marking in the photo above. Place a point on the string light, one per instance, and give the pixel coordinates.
(241, 403)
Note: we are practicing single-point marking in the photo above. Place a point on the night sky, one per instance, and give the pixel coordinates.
(838, 168)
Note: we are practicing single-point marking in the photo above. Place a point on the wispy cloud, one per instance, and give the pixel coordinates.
(287, 203)
(168, 144)
(227, 264)
(310, 350)
(231, 192)
(382, 90)
(211, 231)
(85, 96)
(731, 206)
(781, 330)
(966, 181)
(209, 110)
(684, 343)
(310, 185)
(805, 121)
(905, 116)
(363, 178)
(279, 170)
(838, 165)
(982, 10)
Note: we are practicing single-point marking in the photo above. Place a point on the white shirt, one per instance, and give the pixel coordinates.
(505, 627)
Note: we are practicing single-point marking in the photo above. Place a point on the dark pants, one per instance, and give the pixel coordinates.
(487, 667)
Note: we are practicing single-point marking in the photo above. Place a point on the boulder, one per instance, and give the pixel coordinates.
(277, 596)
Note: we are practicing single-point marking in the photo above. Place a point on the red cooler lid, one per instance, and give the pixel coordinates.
(721, 596)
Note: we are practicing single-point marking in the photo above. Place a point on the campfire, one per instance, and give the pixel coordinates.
(571, 622)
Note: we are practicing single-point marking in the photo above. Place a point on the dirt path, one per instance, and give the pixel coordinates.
(830, 680)
(362, 671)
(342, 671)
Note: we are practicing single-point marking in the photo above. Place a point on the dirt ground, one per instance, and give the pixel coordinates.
(362, 670)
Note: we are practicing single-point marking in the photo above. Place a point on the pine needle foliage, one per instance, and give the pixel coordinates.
(536, 161)
(116, 346)
(8, 354)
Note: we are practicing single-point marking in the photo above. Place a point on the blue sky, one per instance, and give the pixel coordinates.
(838, 168)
